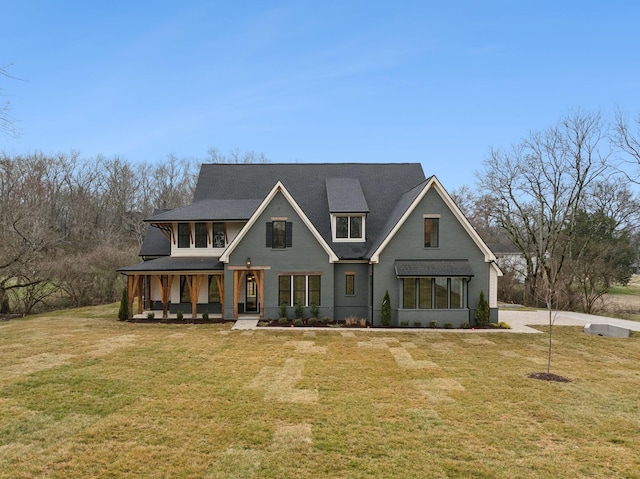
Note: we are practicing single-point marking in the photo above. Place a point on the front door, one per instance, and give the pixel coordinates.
(251, 300)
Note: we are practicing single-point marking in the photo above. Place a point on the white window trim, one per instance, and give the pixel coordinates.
(349, 239)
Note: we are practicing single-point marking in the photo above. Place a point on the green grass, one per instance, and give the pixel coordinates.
(83, 395)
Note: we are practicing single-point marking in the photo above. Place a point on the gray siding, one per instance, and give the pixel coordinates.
(305, 255)
(454, 243)
(352, 305)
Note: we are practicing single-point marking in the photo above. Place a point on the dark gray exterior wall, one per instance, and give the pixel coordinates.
(304, 256)
(454, 243)
(352, 305)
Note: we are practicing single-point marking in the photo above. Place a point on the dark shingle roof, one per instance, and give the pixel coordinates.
(175, 263)
(383, 186)
(433, 267)
(208, 210)
(344, 195)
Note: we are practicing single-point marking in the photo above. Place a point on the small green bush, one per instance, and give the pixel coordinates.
(325, 320)
(385, 310)
(465, 326)
(205, 315)
(283, 322)
(282, 310)
(298, 322)
(180, 315)
(417, 324)
(151, 315)
(312, 321)
(482, 312)
(299, 310)
(500, 325)
(448, 326)
(314, 310)
(433, 324)
(404, 323)
(123, 312)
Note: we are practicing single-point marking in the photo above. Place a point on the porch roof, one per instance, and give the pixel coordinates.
(433, 267)
(208, 210)
(175, 264)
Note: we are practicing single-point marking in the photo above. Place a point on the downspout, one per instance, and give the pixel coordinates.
(371, 314)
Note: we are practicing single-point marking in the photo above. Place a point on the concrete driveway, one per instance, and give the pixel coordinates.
(519, 320)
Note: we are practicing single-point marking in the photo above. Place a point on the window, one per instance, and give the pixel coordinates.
(219, 236)
(279, 234)
(350, 284)
(431, 232)
(348, 228)
(201, 235)
(214, 291)
(184, 235)
(303, 289)
(185, 297)
(430, 293)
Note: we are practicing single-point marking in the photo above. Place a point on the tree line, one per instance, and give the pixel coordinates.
(563, 198)
(67, 223)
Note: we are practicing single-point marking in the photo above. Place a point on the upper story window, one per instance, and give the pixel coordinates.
(201, 235)
(184, 235)
(431, 231)
(219, 235)
(348, 227)
(279, 234)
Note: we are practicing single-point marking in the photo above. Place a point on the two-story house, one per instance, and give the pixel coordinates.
(337, 236)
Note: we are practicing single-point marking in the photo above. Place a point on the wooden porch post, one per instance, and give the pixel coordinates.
(194, 282)
(220, 282)
(165, 281)
(259, 275)
(238, 277)
(138, 280)
(131, 292)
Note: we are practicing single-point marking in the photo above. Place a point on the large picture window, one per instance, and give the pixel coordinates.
(303, 289)
(431, 232)
(433, 293)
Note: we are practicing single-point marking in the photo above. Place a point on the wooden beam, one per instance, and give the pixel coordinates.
(220, 282)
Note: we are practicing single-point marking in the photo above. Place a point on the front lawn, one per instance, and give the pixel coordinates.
(83, 395)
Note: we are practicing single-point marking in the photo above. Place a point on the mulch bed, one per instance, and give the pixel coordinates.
(549, 377)
(175, 321)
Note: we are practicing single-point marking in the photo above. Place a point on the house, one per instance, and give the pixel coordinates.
(337, 236)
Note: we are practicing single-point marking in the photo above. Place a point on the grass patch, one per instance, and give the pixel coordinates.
(83, 395)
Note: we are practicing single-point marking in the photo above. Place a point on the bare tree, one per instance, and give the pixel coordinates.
(537, 187)
(7, 123)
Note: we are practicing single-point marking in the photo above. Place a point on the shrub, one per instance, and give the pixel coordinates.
(314, 310)
(283, 321)
(465, 326)
(205, 315)
(298, 322)
(448, 326)
(404, 323)
(123, 312)
(385, 310)
(482, 312)
(312, 321)
(151, 315)
(325, 320)
(282, 310)
(501, 325)
(299, 310)
(417, 324)
(433, 324)
(180, 315)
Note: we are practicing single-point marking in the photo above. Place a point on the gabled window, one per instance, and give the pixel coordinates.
(184, 235)
(431, 231)
(201, 235)
(279, 234)
(348, 227)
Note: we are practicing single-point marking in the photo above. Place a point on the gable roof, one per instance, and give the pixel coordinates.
(382, 186)
(278, 188)
(416, 196)
(208, 210)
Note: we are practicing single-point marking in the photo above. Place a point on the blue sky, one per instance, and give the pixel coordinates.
(436, 82)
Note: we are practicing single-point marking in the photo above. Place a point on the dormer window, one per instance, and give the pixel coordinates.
(348, 227)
